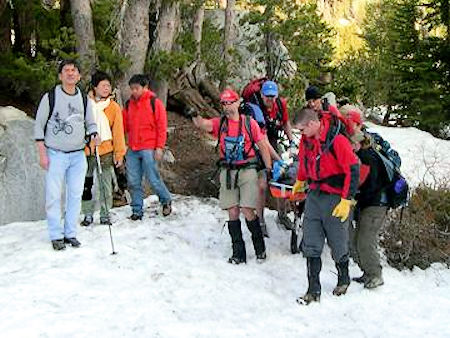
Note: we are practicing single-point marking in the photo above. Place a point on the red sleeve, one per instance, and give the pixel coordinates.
(301, 171)
(349, 164)
(285, 115)
(161, 124)
(124, 118)
(256, 131)
(216, 124)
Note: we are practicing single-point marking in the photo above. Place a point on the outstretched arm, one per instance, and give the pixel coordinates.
(204, 124)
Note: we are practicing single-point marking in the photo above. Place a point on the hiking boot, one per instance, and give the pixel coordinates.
(239, 254)
(72, 241)
(167, 209)
(264, 229)
(88, 220)
(257, 237)
(372, 283)
(285, 221)
(343, 279)
(105, 220)
(58, 244)
(261, 258)
(361, 280)
(308, 298)
(136, 217)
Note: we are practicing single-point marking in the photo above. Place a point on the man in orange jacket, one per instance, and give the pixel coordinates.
(145, 125)
(327, 162)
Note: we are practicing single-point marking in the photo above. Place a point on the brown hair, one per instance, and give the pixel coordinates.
(305, 115)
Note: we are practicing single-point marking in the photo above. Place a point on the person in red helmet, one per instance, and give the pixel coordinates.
(239, 140)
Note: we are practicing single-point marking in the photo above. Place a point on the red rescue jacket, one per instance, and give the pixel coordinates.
(145, 128)
(333, 169)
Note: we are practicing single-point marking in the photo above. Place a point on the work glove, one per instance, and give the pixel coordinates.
(342, 210)
(299, 186)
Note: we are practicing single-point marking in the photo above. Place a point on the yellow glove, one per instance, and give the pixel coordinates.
(342, 210)
(299, 186)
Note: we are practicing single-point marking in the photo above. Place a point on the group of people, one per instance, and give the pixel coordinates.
(78, 134)
(337, 169)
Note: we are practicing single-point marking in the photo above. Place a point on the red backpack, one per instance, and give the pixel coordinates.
(252, 93)
(252, 88)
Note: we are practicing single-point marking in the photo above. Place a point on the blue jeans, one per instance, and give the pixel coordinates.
(66, 170)
(139, 163)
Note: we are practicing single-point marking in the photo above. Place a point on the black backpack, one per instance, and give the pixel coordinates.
(397, 189)
(51, 103)
(152, 103)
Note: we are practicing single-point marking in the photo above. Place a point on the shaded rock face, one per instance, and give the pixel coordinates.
(22, 180)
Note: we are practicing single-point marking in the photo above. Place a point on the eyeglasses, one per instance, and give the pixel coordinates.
(269, 96)
(227, 103)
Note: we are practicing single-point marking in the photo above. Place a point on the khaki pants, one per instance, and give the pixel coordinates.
(245, 195)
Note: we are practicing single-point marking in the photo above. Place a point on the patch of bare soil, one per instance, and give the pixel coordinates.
(195, 159)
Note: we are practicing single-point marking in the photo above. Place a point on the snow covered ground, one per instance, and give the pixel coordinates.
(170, 279)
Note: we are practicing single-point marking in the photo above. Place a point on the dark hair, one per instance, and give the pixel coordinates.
(305, 115)
(139, 79)
(98, 77)
(312, 93)
(66, 62)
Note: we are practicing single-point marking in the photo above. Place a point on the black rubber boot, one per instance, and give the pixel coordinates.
(239, 255)
(257, 239)
(314, 265)
(343, 278)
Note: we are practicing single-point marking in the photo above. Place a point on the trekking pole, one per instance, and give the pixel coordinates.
(100, 174)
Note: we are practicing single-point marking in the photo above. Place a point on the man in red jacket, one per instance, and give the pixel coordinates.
(327, 162)
(145, 125)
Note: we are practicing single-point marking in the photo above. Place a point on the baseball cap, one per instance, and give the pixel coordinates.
(269, 88)
(228, 96)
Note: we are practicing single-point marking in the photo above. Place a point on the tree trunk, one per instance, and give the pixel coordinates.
(64, 12)
(197, 28)
(169, 21)
(133, 38)
(5, 27)
(191, 89)
(84, 30)
(228, 38)
(23, 24)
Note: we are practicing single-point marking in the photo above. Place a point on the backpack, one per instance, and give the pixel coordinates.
(253, 110)
(252, 93)
(51, 102)
(397, 189)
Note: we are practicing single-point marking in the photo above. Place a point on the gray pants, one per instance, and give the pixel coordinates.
(105, 185)
(364, 240)
(318, 224)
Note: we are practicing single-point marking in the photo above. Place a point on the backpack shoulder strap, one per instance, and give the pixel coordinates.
(222, 123)
(51, 104)
(280, 109)
(85, 101)
(152, 103)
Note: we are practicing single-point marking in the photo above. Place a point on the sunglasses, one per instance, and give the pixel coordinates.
(227, 103)
(269, 96)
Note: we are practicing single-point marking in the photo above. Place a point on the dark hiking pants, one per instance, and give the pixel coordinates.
(364, 240)
(318, 224)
